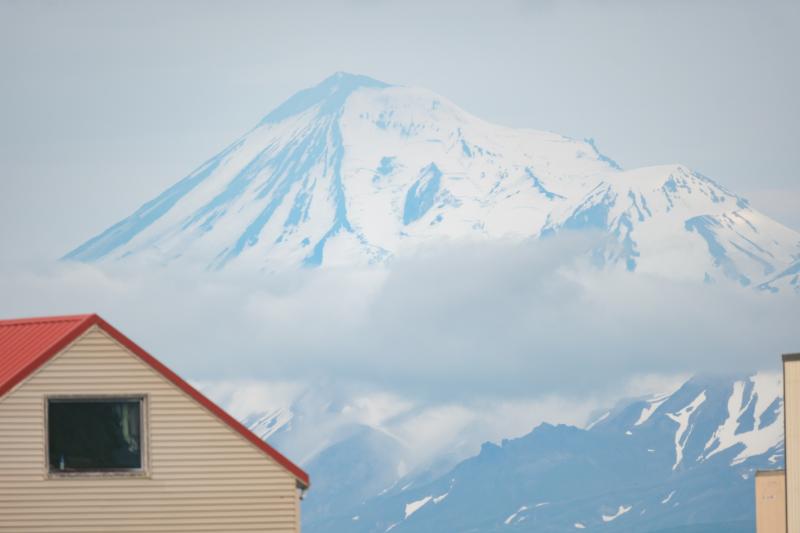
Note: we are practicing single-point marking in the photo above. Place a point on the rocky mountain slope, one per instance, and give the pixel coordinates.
(669, 462)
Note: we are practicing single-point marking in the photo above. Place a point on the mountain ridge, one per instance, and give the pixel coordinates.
(676, 468)
(354, 170)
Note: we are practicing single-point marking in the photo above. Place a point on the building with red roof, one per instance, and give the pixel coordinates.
(98, 435)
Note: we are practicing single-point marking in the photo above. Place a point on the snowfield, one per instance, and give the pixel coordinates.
(355, 172)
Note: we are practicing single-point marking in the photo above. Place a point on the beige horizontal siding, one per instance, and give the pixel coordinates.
(202, 475)
(771, 502)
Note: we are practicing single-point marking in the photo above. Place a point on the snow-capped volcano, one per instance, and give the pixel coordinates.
(355, 171)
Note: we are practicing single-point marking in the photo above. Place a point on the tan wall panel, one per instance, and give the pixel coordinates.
(771, 502)
(791, 406)
(202, 475)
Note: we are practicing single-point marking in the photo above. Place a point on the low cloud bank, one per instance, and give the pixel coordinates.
(457, 321)
(424, 434)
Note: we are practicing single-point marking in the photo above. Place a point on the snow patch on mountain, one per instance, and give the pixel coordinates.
(413, 507)
(598, 420)
(683, 418)
(513, 515)
(621, 511)
(754, 408)
(272, 422)
(651, 408)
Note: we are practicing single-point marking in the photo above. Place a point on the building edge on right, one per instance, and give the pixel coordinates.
(791, 436)
(770, 501)
(777, 492)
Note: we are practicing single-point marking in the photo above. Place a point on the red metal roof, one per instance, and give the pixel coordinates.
(26, 344)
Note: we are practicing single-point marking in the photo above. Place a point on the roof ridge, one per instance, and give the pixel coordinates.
(45, 319)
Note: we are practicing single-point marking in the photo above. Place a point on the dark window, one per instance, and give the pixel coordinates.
(94, 434)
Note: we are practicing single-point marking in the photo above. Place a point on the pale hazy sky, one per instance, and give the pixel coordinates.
(105, 104)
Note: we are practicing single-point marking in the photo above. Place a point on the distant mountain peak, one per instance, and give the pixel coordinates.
(354, 170)
(329, 94)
